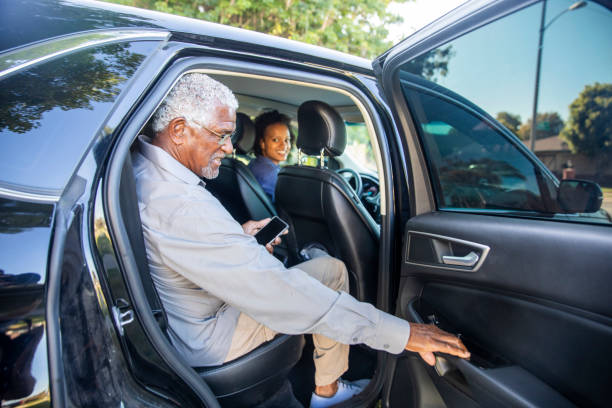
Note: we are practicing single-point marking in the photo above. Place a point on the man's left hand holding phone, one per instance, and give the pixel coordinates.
(267, 231)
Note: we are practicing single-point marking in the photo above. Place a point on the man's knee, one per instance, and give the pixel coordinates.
(328, 270)
(338, 279)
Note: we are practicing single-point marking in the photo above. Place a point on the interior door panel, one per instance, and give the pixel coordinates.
(535, 309)
(536, 315)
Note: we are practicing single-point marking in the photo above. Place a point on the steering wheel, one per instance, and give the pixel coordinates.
(355, 176)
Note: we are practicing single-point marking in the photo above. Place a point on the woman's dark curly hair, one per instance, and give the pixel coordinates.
(266, 119)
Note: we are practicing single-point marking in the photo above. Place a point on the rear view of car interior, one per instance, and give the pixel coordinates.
(322, 207)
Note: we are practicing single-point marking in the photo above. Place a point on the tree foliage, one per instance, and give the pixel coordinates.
(548, 124)
(510, 120)
(432, 64)
(589, 128)
(357, 27)
(75, 81)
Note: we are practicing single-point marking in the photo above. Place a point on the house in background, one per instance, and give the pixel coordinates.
(556, 155)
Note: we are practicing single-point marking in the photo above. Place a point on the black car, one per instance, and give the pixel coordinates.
(440, 211)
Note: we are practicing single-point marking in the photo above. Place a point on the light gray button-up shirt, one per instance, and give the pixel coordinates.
(207, 270)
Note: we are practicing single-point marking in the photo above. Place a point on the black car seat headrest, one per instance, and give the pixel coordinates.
(320, 127)
(244, 137)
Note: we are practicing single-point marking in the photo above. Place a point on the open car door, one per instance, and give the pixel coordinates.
(492, 249)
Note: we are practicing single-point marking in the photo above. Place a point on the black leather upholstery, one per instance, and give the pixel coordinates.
(270, 363)
(235, 186)
(244, 137)
(322, 208)
(320, 127)
(239, 192)
(245, 381)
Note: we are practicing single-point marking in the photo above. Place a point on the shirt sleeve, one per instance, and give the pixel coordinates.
(202, 242)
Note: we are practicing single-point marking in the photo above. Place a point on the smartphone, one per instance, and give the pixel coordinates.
(271, 230)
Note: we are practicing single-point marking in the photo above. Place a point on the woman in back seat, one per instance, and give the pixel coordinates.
(273, 139)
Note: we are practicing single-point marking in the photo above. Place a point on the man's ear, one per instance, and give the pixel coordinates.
(176, 130)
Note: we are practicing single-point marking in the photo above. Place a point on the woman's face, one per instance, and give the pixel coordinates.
(276, 142)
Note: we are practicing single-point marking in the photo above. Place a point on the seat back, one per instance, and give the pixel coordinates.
(322, 208)
(235, 186)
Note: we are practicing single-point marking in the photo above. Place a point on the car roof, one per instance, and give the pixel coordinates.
(30, 21)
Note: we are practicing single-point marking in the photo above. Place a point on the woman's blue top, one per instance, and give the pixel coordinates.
(266, 173)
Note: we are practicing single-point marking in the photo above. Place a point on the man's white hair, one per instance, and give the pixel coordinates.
(194, 98)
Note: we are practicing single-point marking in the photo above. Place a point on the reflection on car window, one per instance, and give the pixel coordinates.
(475, 166)
(495, 68)
(38, 105)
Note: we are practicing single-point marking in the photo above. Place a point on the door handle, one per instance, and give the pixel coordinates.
(468, 260)
(439, 251)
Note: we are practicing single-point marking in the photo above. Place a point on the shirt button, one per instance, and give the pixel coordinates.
(355, 339)
(386, 346)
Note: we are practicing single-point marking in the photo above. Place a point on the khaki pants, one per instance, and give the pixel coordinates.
(330, 357)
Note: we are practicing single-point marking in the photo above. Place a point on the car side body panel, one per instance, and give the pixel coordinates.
(25, 235)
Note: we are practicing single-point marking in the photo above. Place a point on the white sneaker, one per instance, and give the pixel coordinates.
(346, 389)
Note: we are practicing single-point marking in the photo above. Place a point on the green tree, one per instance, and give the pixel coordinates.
(510, 120)
(353, 26)
(549, 124)
(589, 128)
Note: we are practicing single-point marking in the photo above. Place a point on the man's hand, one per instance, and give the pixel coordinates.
(427, 338)
(253, 227)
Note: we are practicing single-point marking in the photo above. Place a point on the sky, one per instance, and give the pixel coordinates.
(494, 66)
(417, 14)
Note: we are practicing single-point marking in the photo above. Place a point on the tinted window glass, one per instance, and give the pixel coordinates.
(495, 68)
(50, 113)
(474, 165)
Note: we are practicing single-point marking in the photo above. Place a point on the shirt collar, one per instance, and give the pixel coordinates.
(162, 159)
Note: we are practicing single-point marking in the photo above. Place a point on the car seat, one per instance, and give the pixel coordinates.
(321, 207)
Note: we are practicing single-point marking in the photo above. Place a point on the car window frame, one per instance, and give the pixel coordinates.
(189, 58)
(541, 172)
(455, 24)
(301, 74)
(387, 69)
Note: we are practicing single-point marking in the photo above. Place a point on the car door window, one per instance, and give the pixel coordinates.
(38, 104)
(473, 165)
(473, 101)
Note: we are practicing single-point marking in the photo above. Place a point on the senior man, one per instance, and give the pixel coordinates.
(225, 294)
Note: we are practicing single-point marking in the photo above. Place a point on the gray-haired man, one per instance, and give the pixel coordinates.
(224, 293)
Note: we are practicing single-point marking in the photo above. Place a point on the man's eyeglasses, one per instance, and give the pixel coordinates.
(222, 137)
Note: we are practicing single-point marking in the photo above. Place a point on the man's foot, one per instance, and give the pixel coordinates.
(346, 389)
